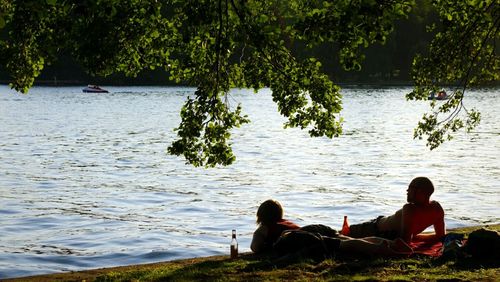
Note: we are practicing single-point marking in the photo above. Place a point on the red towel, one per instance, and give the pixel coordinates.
(425, 248)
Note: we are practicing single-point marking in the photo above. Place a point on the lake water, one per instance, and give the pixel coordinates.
(85, 181)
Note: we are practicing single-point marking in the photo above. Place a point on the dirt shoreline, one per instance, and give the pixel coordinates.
(91, 274)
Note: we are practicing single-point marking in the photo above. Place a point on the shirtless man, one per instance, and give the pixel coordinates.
(408, 222)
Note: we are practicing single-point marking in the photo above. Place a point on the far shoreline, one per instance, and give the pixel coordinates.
(345, 84)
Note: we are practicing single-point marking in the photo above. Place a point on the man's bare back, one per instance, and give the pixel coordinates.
(413, 219)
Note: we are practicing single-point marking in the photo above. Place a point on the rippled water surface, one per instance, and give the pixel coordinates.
(85, 181)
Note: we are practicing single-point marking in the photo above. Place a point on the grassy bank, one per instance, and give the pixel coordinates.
(249, 267)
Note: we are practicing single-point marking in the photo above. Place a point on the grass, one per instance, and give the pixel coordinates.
(249, 267)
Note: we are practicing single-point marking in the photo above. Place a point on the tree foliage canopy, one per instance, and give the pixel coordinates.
(462, 53)
(220, 44)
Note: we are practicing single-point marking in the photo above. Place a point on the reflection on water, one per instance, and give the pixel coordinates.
(85, 180)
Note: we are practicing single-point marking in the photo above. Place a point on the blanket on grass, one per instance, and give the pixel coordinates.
(451, 243)
(481, 244)
(434, 249)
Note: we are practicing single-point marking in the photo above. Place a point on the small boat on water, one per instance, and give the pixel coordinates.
(94, 89)
(441, 95)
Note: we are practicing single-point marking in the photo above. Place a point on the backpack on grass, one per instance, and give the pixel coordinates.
(483, 243)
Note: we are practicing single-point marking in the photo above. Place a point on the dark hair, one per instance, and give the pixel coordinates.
(423, 184)
(269, 212)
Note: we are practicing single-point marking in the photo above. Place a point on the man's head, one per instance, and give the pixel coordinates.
(420, 190)
(269, 212)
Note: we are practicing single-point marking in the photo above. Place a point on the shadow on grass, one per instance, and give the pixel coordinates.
(469, 263)
(264, 267)
(336, 264)
(352, 265)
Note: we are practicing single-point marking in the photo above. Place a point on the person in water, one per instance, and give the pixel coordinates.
(272, 226)
(411, 220)
(442, 94)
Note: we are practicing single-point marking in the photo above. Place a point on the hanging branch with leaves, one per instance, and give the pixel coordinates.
(222, 44)
(462, 55)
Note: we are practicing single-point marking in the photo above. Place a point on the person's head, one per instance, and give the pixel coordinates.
(420, 190)
(269, 212)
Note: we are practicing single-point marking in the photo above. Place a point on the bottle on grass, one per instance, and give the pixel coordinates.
(234, 245)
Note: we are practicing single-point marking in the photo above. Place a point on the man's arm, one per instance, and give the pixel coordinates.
(407, 218)
(439, 226)
(428, 237)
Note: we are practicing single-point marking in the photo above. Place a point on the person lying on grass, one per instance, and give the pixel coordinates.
(273, 229)
(410, 221)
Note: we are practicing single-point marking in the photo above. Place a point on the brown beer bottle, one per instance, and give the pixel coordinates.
(234, 245)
